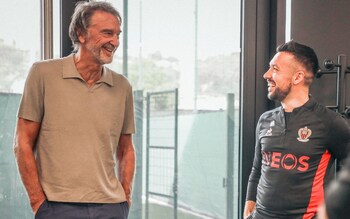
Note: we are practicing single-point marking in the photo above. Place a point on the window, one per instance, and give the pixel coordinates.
(192, 46)
(19, 42)
(19, 47)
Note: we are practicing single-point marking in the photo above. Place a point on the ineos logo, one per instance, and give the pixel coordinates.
(285, 161)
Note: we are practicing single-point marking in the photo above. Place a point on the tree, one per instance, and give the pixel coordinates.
(13, 65)
(151, 73)
(219, 75)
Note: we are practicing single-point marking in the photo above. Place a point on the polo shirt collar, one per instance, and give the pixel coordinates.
(106, 76)
(70, 71)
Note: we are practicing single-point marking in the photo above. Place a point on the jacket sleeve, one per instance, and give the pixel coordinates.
(256, 169)
(339, 134)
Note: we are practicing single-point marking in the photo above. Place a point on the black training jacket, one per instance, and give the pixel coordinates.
(294, 158)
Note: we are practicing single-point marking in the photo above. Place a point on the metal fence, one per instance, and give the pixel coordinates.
(161, 146)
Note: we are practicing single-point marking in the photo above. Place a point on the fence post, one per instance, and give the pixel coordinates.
(230, 154)
(136, 207)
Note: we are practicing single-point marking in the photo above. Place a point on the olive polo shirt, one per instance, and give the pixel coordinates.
(80, 129)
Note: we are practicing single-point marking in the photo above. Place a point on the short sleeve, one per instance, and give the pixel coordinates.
(129, 121)
(32, 102)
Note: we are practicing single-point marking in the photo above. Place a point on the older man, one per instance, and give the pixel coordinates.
(77, 115)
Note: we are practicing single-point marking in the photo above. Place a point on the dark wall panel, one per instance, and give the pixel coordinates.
(323, 25)
(66, 12)
(259, 26)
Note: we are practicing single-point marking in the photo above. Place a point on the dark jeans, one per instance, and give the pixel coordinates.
(64, 210)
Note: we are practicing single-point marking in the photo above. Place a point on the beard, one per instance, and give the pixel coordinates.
(279, 94)
(101, 55)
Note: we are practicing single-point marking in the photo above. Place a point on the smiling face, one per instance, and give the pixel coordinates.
(279, 76)
(102, 38)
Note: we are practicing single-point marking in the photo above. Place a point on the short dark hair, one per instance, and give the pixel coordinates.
(304, 54)
(82, 16)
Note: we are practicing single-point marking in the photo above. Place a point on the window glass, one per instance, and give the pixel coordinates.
(56, 29)
(192, 46)
(19, 42)
(19, 47)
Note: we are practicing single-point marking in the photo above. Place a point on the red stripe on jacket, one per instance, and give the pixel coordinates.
(317, 193)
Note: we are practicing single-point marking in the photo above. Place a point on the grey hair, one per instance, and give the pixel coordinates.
(82, 16)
